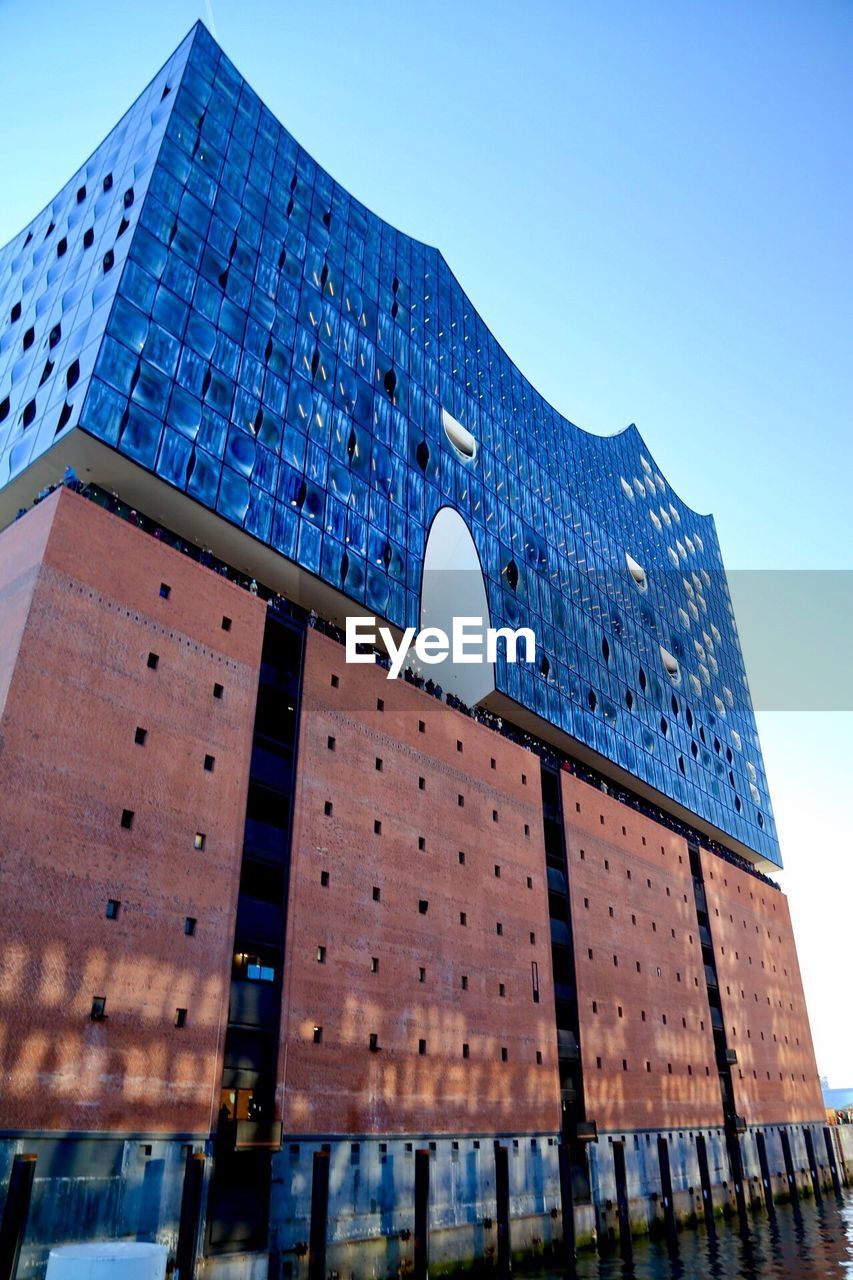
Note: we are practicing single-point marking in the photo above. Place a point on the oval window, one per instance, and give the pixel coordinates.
(464, 444)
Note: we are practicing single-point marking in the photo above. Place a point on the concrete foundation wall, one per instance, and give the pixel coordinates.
(129, 1187)
(371, 1199)
(99, 1188)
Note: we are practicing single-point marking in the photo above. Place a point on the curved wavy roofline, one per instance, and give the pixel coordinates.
(595, 435)
(632, 427)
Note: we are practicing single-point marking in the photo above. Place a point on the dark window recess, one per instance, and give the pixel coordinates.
(328, 809)
(226, 624)
(165, 590)
(374, 1042)
(321, 955)
(421, 726)
(29, 414)
(463, 918)
(461, 858)
(108, 182)
(4, 409)
(113, 908)
(539, 1057)
(422, 784)
(318, 1035)
(88, 237)
(465, 1051)
(99, 1008)
(180, 1017)
(421, 843)
(218, 690)
(15, 313)
(54, 336)
(122, 227)
(109, 261)
(29, 338)
(504, 1054)
(153, 661)
(335, 682)
(330, 743)
(376, 893)
(73, 374)
(190, 923)
(262, 881)
(209, 762)
(128, 197)
(127, 818)
(81, 194)
(62, 248)
(499, 929)
(324, 879)
(377, 827)
(423, 906)
(64, 416)
(374, 964)
(199, 840)
(140, 735)
(422, 1047)
(380, 704)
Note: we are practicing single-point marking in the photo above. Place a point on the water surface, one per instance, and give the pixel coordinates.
(801, 1242)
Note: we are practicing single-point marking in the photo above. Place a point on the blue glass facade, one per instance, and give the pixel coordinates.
(261, 341)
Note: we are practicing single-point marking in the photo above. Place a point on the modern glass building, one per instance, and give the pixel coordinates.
(306, 966)
(205, 300)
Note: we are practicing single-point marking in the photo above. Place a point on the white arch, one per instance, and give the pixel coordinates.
(453, 586)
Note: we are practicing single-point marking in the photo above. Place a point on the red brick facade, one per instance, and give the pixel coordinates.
(418, 905)
(80, 600)
(637, 950)
(339, 1085)
(775, 1080)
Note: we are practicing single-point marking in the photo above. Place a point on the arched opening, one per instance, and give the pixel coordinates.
(453, 586)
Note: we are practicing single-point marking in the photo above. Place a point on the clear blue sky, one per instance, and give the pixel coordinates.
(651, 207)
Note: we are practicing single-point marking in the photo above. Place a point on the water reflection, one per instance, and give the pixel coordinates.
(801, 1242)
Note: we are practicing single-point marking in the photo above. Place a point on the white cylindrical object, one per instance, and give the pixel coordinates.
(107, 1260)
